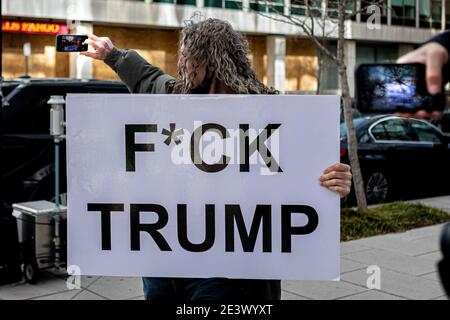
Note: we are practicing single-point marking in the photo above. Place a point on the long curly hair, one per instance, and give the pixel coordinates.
(223, 50)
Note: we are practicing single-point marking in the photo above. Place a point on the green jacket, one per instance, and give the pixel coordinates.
(142, 77)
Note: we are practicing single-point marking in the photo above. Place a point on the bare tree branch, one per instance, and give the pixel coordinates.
(307, 24)
(303, 25)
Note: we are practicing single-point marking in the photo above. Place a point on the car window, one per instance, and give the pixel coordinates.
(424, 132)
(391, 130)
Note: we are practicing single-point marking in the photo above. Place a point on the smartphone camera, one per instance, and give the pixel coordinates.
(71, 43)
(389, 88)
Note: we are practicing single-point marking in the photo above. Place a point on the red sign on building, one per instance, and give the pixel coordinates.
(34, 27)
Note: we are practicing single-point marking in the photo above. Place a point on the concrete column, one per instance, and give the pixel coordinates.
(81, 67)
(323, 6)
(245, 5)
(389, 12)
(200, 3)
(350, 62)
(287, 7)
(417, 14)
(276, 67)
(358, 9)
(404, 49)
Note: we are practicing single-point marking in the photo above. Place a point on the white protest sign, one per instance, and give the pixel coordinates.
(202, 185)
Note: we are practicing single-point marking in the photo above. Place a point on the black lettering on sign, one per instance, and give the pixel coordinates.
(210, 229)
(261, 221)
(195, 148)
(151, 228)
(105, 211)
(287, 230)
(131, 147)
(247, 148)
(248, 239)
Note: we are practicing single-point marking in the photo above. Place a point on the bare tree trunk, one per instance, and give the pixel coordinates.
(358, 182)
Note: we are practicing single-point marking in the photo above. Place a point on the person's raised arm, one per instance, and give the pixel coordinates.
(139, 75)
(434, 54)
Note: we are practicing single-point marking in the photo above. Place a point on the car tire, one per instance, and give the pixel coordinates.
(31, 272)
(377, 187)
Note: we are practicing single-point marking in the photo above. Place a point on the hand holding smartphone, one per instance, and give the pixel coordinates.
(71, 43)
(391, 88)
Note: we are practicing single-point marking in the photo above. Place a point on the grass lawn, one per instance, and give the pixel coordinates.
(392, 217)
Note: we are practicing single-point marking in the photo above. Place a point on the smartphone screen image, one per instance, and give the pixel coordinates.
(386, 88)
(71, 43)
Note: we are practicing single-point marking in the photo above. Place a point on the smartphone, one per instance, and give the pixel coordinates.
(71, 43)
(389, 88)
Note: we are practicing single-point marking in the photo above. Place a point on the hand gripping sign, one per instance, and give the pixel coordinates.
(202, 186)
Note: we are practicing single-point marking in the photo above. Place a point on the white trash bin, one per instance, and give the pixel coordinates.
(42, 237)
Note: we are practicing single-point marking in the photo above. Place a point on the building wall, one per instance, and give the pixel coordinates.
(159, 47)
(43, 62)
(164, 15)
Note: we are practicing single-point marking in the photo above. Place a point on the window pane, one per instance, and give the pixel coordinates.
(396, 130)
(298, 11)
(376, 53)
(379, 132)
(365, 54)
(425, 133)
(258, 7)
(425, 7)
(436, 14)
(213, 3)
(276, 9)
(233, 4)
(404, 13)
(329, 73)
(186, 2)
(393, 129)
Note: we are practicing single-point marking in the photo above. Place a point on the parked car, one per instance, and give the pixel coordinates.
(400, 158)
(445, 122)
(27, 153)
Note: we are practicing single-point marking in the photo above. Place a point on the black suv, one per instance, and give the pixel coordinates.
(27, 152)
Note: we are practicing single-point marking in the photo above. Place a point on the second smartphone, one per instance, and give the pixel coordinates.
(389, 88)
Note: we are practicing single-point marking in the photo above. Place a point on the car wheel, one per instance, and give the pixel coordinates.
(377, 188)
(31, 272)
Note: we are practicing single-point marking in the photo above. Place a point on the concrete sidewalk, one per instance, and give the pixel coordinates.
(407, 262)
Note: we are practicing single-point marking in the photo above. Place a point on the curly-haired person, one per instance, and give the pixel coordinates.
(213, 58)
